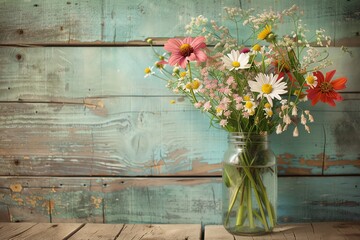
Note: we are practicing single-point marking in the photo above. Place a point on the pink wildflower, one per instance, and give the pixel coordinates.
(223, 122)
(188, 49)
(207, 106)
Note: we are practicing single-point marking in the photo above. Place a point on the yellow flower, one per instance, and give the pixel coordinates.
(147, 70)
(247, 98)
(256, 47)
(264, 33)
(195, 84)
(267, 105)
(182, 75)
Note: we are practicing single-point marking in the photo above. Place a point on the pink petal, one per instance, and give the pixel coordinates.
(201, 56)
(173, 45)
(175, 59)
(198, 42)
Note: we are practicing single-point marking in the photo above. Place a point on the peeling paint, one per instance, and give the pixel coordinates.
(33, 200)
(96, 201)
(16, 187)
(18, 199)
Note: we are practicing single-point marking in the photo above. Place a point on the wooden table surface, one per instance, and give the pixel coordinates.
(82, 231)
(305, 231)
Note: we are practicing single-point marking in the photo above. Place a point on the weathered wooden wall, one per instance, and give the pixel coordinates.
(84, 137)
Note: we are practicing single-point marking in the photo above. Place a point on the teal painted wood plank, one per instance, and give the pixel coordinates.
(111, 21)
(148, 136)
(57, 74)
(172, 200)
(111, 136)
(95, 137)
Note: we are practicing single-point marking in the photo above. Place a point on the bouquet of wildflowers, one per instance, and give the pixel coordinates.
(251, 77)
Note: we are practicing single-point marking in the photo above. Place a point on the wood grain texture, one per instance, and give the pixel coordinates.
(9, 230)
(99, 22)
(169, 200)
(79, 123)
(71, 74)
(116, 136)
(44, 231)
(313, 231)
(161, 232)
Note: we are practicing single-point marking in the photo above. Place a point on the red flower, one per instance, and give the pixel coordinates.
(185, 50)
(325, 89)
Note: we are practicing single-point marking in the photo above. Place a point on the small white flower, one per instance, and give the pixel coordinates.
(311, 80)
(287, 119)
(236, 60)
(307, 128)
(268, 86)
(148, 71)
(296, 132)
(250, 107)
(279, 129)
(294, 111)
(303, 119)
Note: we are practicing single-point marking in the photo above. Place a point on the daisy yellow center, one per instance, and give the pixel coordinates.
(183, 74)
(247, 98)
(326, 87)
(269, 113)
(266, 88)
(186, 50)
(267, 105)
(310, 79)
(195, 84)
(249, 104)
(235, 64)
(256, 47)
(188, 85)
(147, 70)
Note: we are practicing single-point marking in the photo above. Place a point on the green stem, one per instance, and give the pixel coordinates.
(249, 205)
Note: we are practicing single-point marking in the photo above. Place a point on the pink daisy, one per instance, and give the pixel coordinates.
(188, 49)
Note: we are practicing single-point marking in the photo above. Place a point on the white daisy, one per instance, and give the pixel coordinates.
(195, 85)
(268, 86)
(311, 80)
(236, 60)
(148, 71)
(250, 107)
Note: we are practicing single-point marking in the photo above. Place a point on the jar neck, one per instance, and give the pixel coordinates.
(244, 138)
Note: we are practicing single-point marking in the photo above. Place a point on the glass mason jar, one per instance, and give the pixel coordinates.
(249, 191)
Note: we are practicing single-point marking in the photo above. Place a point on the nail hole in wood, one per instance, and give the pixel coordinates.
(36, 5)
(18, 56)
(16, 162)
(20, 31)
